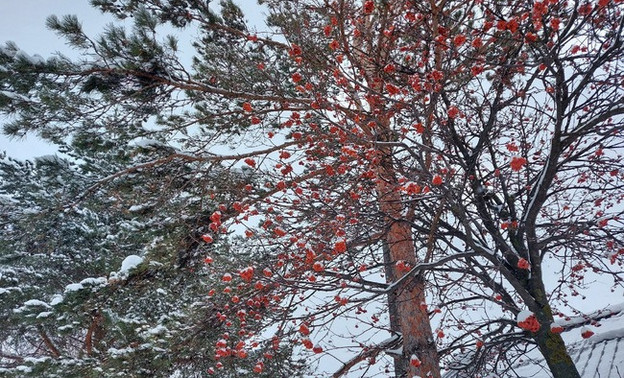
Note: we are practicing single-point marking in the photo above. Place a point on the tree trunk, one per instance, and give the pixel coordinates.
(49, 344)
(400, 363)
(94, 330)
(550, 344)
(413, 318)
(556, 355)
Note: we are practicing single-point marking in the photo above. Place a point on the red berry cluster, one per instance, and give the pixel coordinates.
(529, 323)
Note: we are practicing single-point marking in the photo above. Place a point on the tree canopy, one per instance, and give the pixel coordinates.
(415, 169)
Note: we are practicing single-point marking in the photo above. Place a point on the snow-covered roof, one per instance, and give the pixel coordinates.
(598, 356)
(602, 359)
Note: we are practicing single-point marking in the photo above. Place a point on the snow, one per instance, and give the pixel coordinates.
(34, 59)
(14, 96)
(609, 335)
(114, 352)
(484, 247)
(5, 272)
(578, 320)
(24, 369)
(523, 316)
(137, 208)
(35, 303)
(7, 199)
(8, 50)
(158, 330)
(130, 263)
(73, 287)
(43, 315)
(555, 325)
(586, 329)
(56, 299)
(50, 158)
(537, 189)
(36, 360)
(148, 143)
(92, 281)
(396, 352)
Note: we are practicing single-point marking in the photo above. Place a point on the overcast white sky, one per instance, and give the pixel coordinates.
(24, 22)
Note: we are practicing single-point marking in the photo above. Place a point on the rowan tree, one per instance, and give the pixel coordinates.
(433, 156)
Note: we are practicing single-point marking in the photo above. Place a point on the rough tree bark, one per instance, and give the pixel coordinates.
(400, 363)
(551, 344)
(410, 318)
(413, 319)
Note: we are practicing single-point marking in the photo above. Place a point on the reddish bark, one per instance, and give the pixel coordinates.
(49, 344)
(413, 320)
